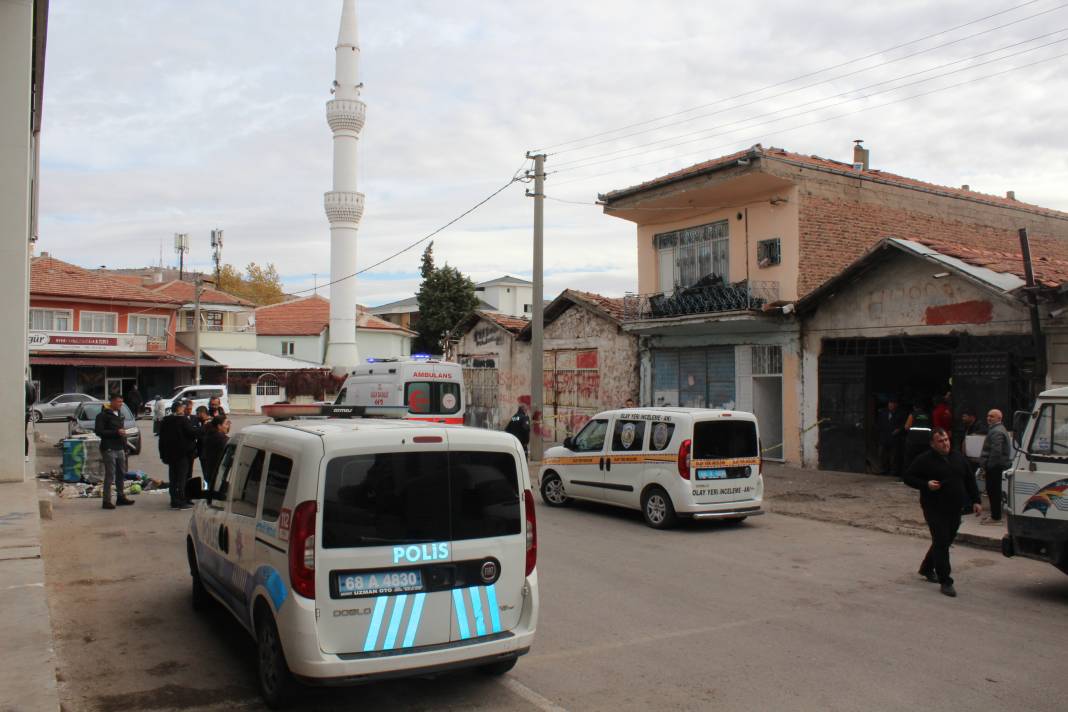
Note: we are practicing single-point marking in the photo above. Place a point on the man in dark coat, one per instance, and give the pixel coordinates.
(110, 427)
(942, 476)
(177, 448)
(519, 426)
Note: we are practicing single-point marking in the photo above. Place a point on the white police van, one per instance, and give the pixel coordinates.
(354, 549)
(666, 462)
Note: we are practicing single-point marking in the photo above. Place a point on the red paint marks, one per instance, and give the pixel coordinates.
(971, 312)
(525, 400)
(586, 359)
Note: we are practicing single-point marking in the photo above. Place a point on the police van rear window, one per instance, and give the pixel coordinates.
(721, 439)
(412, 497)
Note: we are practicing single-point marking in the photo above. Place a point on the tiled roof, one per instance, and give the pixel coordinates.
(308, 316)
(1049, 258)
(508, 322)
(50, 277)
(186, 293)
(611, 306)
(783, 155)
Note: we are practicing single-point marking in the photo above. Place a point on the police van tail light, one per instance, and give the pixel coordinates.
(532, 532)
(684, 459)
(302, 550)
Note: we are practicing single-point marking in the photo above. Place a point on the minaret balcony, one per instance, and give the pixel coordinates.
(343, 207)
(346, 115)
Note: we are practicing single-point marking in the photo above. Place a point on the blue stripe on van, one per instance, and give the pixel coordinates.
(376, 624)
(413, 620)
(491, 603)
(476, 608)
(394, 622)
(461, 613)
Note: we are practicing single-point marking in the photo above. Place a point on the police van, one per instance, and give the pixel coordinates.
(353, 549)
(666, 462)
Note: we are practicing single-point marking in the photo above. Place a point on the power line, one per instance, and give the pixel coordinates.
(828, 118)
(815, 84)
(788, 81)
(633, 151)
(461, 216)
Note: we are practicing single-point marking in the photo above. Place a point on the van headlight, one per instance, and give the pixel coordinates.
(132, 431)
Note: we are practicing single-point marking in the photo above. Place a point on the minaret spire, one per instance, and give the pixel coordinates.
(344, 205)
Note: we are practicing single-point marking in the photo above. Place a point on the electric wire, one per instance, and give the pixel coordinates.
(826, 119)
(787, 81)
(746, 122)
(584, 159)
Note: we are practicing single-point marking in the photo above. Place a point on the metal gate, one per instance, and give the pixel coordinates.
(483, 398)
(841, 413)
(572, 385)
(981, 381)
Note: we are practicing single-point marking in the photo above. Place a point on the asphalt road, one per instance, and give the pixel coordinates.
(779, 613)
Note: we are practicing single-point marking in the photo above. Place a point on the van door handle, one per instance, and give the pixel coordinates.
(600, 464)
(224, 538)
(608, 464)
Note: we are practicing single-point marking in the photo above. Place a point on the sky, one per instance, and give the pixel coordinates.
(168, 116)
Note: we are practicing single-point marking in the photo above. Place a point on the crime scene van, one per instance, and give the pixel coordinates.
(666, 462)
(426, 389)
(1037, 484)
(354, 549)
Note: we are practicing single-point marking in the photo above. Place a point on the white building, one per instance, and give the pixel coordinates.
(505, 295)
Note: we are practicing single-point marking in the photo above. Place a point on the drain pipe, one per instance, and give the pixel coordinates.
(1039, 380)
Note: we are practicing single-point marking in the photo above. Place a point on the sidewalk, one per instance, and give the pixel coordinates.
(27, 663)
(865, 501)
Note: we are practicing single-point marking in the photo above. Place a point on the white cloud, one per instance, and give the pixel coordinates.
(184, 116)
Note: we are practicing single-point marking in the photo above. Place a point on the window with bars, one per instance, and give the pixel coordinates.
(686, 256)
(767, 360)
(99, 322)
(50, 319)
(152, 326)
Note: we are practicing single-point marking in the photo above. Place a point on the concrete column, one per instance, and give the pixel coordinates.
(16, 159)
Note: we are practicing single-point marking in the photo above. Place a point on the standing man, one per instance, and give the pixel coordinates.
(941, 475)
(109, 427)
(995, 459)
(177, 448)
(215, 408)
(519, 426)
(134, 401)
(890, 422)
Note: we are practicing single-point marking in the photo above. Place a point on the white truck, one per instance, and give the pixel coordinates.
(1037, 490)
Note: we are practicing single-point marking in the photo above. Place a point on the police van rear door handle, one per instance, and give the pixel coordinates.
(224, 538)
(608, 464)
(600, 464)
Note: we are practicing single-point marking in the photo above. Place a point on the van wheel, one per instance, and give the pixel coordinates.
(552, 490)
(498, 668)
(200, 598)
(276, 682)
(657, 509)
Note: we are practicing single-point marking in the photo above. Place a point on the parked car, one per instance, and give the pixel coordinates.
(84, 421)
(199, 395)
(60, 407)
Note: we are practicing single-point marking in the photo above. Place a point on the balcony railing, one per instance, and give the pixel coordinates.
(708, 298)
(218, 329)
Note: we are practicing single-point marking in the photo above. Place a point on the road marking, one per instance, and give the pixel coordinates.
(24, 585)
(542, 703)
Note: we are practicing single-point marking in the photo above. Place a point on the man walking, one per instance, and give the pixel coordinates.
(177, 448)
(109, 427)
(995, 458)
(941, 475)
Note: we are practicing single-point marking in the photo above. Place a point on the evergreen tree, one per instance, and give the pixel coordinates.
(445, 297)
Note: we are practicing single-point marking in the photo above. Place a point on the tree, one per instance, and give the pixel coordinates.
(445, 297)
(259, 285)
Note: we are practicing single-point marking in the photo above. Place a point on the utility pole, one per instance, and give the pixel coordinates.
(537, 357)
(196, 329)
(1039, 339)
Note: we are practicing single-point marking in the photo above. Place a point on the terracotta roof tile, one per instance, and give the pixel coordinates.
(612, 306)
(186, 293)
(308, 316)
(510, 323)
(50, 277)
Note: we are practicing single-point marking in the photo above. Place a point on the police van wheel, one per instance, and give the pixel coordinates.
(498, 668)
(275, 681)
(657, 509)
(200, 597)
(552, 490)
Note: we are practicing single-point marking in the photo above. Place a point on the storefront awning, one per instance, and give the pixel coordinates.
(109, 361)
(242, 360)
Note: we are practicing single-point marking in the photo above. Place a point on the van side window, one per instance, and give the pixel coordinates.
(661, 436)
(629, 435)
(222, 478)
(246, 481)
(1050, 436)
(274, 492)
(591, 438)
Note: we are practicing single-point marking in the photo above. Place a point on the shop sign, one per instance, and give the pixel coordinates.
(80, 341)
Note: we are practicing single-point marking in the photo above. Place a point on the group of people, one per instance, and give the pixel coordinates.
(186, 436)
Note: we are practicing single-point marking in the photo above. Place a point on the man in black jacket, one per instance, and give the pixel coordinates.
(177, 448)
(519, 426)
(110, 427)
(942, 476)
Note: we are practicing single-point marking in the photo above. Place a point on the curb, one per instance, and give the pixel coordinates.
(974, 540)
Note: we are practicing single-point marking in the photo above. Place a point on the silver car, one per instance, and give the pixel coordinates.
(60, 407)
(84, 421)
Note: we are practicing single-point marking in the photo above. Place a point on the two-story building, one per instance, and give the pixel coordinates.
(726, 248)
(91, 333)
(506, 295)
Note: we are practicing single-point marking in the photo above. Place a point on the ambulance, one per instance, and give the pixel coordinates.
(367, 548)
(1037, 484)
(669, 463)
